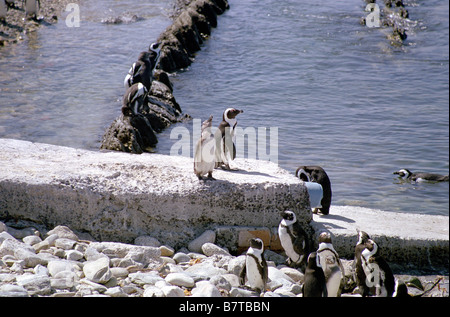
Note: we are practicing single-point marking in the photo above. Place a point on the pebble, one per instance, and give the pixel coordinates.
(210, 249)
(180, 279)
(63, 266)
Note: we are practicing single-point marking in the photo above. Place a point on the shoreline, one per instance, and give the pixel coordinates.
(15, 25)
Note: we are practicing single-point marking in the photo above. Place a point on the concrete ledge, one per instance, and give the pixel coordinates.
(118, 196)
(412, 241)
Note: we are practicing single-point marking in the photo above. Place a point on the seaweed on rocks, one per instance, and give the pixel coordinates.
(192, 25)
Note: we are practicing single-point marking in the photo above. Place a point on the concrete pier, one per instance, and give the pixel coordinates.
(118, 196)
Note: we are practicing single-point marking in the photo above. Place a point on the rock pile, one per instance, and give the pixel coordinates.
(61, 264)
(136, 133)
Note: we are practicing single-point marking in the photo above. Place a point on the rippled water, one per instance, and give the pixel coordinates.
(340, 95)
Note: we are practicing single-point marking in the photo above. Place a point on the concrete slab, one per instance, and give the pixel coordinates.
(117, 196)
(410, 240)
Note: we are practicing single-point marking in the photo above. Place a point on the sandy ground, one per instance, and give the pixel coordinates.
(15, 25)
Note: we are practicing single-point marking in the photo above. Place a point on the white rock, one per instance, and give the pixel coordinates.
(64, 243)
(195, 245)
(205, 289)
(2, 227)
(115, 292)
(221, 282)
(181, 257)
(31, 240)
(119, 272)
(73, 255)
(35, 284)
(236, 264)
(173, 291)
(10, 290)
(204, 270)
(63, 232)
(51, 239)
(294, 274)
(153, 291)
(141, 278)
(41, 270)
(233, 279)
(278, 276)
(30, 258)
(56, 266)
(97, 271)
(210, 249)
(180, 279)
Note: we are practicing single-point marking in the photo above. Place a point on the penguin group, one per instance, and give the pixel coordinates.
(219, 149)
(139, 80)
(324, 274)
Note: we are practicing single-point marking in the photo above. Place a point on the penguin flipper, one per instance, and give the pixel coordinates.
(243, 275)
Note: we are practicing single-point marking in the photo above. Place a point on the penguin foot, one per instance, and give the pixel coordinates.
(210, 177)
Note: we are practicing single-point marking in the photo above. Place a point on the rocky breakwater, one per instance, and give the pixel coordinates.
(137, 132)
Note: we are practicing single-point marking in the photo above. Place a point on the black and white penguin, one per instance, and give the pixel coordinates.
(331, 265)
(421, 176)
(294, 239)
(318, 175)
(142, 70)
(134, 98)
(225, 138)
(314, 285)
(255, 273)
(204, 158)
(378, 277)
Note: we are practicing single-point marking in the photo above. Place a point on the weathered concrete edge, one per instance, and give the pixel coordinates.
(118, 196)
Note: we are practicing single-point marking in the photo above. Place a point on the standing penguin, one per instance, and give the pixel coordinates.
(255, 270)
(318, 175)
(142, 70)
(133, 99)
(331, 265)
(204, 159)
(225, 138)
(314, 285)
(293, 239)
(373, 274)
(31, 8)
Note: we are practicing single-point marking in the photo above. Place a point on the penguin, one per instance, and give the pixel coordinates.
(401, 290)
(134, 98)
(314, 285)
(373, 274)
(331, 265)
(255, 273)
(293, 239)
(204, 159)
(225, 138)
(142, 70)
(31, 8)
(318, 175)
(421, 176)
(3, 10)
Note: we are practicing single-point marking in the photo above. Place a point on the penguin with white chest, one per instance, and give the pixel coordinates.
(318, 175)
(204, 158)
(142, 70)
(294, 239)
(255, 273)
(421, 176)
(331, 265)
(225, 138)
(373, 274)
(133, 100)
(314, 285)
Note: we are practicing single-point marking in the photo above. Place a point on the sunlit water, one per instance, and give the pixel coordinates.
(339, 94)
